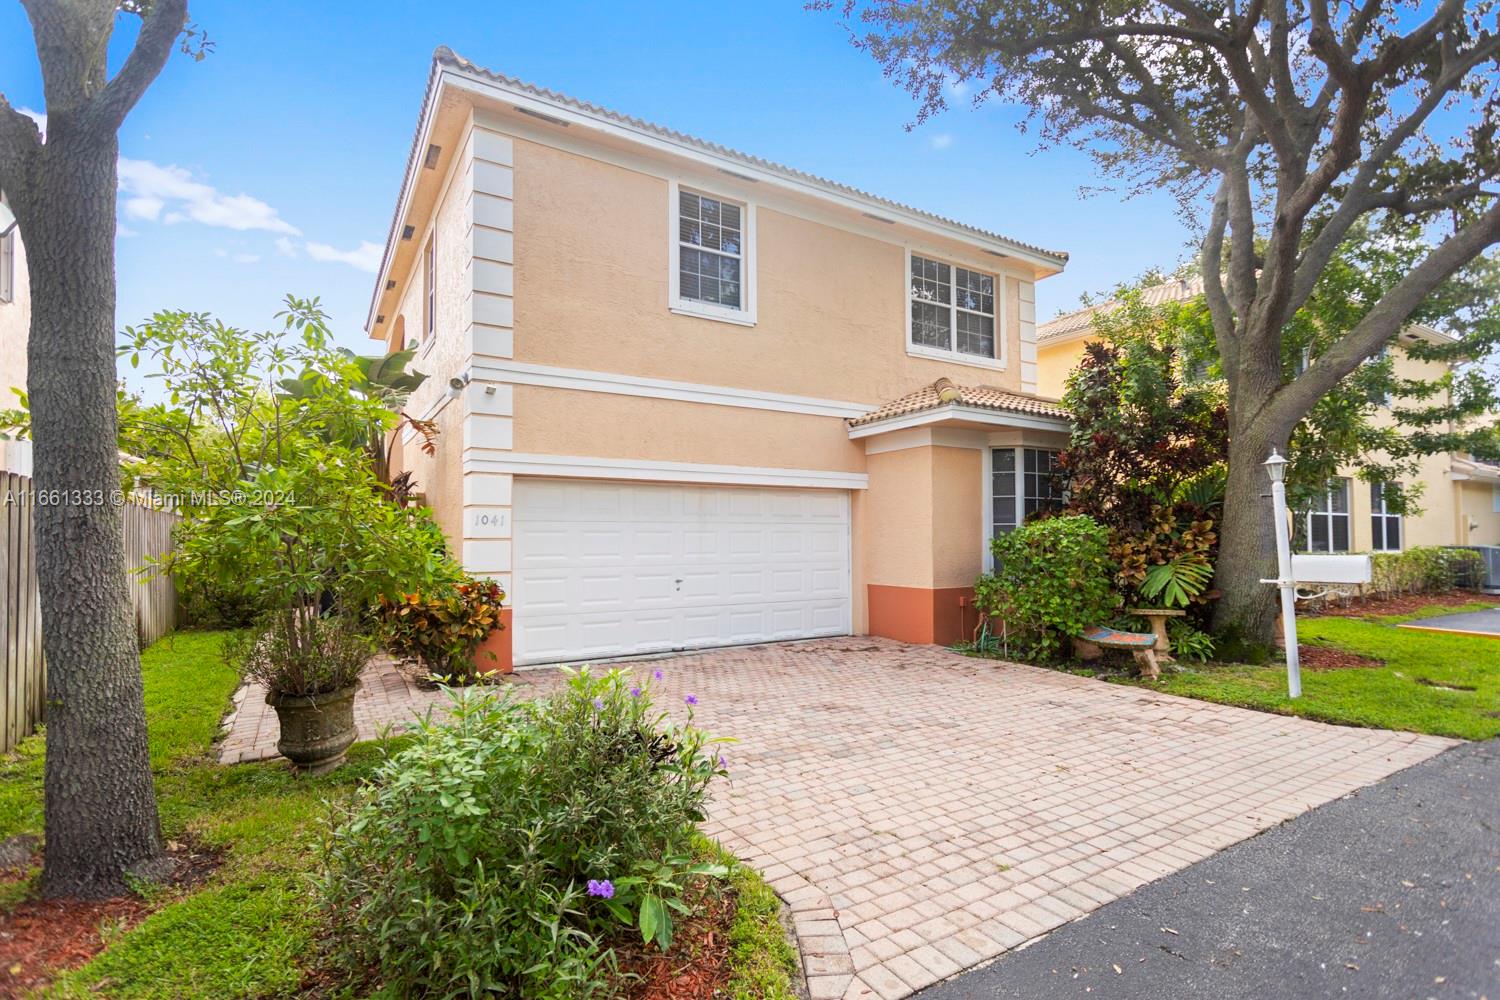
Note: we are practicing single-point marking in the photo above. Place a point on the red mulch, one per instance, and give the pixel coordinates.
(1326, 658)
(42, 937)
(1402, 604)
(697, 967)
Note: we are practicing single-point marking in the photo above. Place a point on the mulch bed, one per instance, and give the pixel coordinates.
(697, 967)
(1402, 604)
(41, 937)
(1318, 658)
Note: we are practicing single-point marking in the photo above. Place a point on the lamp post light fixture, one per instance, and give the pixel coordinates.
(1276, 469)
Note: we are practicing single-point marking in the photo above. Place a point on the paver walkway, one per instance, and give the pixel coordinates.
(921, 812)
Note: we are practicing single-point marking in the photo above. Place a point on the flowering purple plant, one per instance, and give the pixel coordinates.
(656, 674)
(598, 704)
(603, 888)
(691, 699)
(635, 692)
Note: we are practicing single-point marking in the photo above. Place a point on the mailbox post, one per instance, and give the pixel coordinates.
(1276, 468)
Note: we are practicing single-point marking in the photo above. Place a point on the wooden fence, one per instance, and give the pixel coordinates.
(23, 675)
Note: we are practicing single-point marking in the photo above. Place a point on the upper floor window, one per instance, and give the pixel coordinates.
(952, 311)
(1326, 527)
(1385, 526)
(8, 266)
(713, 265)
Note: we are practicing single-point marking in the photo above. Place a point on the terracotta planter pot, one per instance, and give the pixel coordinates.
(316, 730)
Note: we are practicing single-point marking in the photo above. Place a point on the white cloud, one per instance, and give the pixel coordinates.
(239, 258)
(287, 247)
(125, 231)
(941, 141)
(150, 188)
(365, 257)
(958, 88)
(38, 117)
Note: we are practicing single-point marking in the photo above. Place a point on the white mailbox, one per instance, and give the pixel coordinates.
(1336, 569)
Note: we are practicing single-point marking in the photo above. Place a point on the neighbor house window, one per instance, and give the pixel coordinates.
(952, 309)
(8, 266)
(429, 292)
(1023, 482)
(1327, 522)
(1385, 526)
(1495, 498)
(712, 256)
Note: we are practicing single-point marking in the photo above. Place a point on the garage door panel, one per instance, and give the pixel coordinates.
(612, 569)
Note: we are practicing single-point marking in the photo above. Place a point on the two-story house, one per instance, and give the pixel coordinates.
(15, 329)
(1460, 500)
(688, 397)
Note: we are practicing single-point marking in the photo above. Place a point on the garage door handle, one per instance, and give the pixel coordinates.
(678, 582)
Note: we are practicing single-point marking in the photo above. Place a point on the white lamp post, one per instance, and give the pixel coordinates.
(1276, 468)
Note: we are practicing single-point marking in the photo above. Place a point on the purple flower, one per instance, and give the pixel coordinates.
(598, 704)
(635, 692)
(657, 674)
(691, 699)
(604, 889)
(723, 764)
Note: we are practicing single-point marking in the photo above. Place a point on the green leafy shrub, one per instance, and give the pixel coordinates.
(499, 853)
(299, 652)
(1189, 643)
(1177, 582)
(442, 630)
(1425, 569)
(1053, 579)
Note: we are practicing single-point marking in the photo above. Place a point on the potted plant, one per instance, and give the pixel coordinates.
(445, 631)
(310, 665)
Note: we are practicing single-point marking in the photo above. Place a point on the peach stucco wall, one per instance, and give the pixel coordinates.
(1480, 520)
(592, 272)
(1054, 364)
(567, 422)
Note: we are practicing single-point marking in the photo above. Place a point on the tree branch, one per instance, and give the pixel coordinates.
(159, 33)
(20, 142)
(1384, 320)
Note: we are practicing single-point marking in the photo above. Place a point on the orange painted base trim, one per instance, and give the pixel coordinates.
(497, 642)
(941, 616)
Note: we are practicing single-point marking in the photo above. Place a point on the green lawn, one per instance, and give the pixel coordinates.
(250, 930)
(1446, 685)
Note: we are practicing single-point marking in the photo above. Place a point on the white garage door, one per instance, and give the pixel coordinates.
(613, 569)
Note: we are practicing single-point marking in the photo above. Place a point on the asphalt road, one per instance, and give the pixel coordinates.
(1393, 892)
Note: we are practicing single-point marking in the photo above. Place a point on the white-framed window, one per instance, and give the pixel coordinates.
(1326, 523)
(1385, 526)
(8, 266)
(1023, 482)
(953, 312)
(712, 255)
(1495, 498)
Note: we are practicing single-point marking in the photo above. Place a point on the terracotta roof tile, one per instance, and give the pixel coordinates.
(447, 56)
(1083, 320)
(944, 392)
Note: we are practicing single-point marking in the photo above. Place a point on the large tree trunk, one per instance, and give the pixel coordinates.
(100, 805)
(1247, 540)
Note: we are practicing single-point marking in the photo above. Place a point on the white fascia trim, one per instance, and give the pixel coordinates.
(922, 437)
(587, 467)
(622, 130)
(955, 411)
(618, 384)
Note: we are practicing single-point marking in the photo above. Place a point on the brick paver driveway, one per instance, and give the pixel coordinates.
(922, 812)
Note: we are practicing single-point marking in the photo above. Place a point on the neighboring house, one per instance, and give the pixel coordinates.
(15, 328)
(1461, 499)
(688, 397)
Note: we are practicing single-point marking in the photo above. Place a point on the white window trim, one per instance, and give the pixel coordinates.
(958, 357)
(8, 265)
(987, 513)
(1327, 511)
(1381, 513)
(1495, 498)
(706, 310)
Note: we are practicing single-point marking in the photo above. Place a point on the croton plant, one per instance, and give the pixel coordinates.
(443, 630)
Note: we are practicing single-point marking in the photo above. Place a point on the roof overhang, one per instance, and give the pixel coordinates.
(1465, 470)
(960, 415)
(451, 76)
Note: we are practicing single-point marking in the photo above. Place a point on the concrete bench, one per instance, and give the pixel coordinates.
(1141, 645)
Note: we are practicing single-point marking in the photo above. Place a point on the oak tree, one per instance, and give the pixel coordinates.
(1283, 127)
(100, 813)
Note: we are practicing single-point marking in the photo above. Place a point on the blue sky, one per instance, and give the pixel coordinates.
(267, 167)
